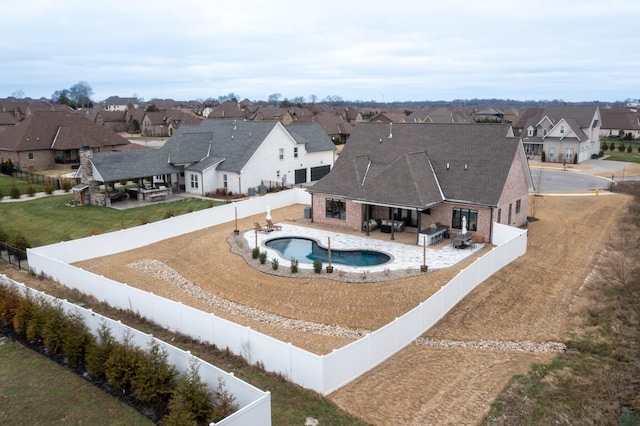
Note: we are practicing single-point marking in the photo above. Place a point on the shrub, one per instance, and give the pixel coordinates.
(55, 328)
(255, 252)
(543, 157)
(274, 264)
(191, 398)
(144, 219)
(19, 241)
(294, 265)
(14, 192)
(31, 190)
(169, 213)
(262, 257)
(604, 146)
(98, 352)
(76, 340)
(317, 266)
(122, 364)
(621, 147)
(612, 146)
(66, 185)
(154, 381)
(48, 188)
(629, 149)
(575, 158)
(224, 403)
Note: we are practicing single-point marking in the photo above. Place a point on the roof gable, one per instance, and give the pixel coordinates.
(422, 164)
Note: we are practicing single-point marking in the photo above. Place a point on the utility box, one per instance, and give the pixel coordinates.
(307, 213)
(252, 192)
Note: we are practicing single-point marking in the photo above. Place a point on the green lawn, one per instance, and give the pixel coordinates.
(617, 155)
(36, 391)
(53, 218)
(6, 182)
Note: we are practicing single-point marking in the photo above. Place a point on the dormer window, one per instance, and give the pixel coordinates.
(544, 132)
(562, 129)
(530, 131)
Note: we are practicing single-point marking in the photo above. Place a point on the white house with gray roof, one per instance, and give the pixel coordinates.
(565, 133)
(234, 155)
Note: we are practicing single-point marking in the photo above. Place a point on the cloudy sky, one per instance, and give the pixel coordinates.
(383, 51)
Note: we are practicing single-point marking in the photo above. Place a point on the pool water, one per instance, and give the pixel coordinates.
(307, 250)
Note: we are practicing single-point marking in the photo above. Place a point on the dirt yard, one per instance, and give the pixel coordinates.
(530, 300)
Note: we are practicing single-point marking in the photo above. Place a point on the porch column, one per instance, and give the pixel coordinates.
(393, 228)
(366, 218)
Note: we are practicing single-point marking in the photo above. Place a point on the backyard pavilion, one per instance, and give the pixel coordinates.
(150, 169)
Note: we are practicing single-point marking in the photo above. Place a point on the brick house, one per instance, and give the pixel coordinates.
(53, 139)
(424, 174)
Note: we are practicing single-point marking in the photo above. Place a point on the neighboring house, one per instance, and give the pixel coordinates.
(619, 122)
(228, 109)
(562, 132)
(487, 113)
(46, 140)
(335, 126)
(232, 155)
(424, 174)
(271, 113)
(7, 119)
(441, 115)
(116, 103)
(114, 120)
(389, 117)
(153, 124)
(235, 155)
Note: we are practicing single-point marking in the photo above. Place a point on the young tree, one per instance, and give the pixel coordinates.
(81, 93)
(154, 381)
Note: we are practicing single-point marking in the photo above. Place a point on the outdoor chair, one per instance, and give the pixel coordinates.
(272, 226)
(260, 228)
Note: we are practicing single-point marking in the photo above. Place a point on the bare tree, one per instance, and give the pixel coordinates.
(274, 98)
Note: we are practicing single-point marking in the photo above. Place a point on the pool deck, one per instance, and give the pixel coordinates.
(403, 256)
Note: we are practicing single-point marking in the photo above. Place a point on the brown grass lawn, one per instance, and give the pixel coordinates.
(534, 299)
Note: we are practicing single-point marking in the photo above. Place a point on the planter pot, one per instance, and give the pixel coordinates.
(236, 232)
(423, 268)
(329, 269)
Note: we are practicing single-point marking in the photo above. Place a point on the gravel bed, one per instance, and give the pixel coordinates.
(160, 270)
(526, 346)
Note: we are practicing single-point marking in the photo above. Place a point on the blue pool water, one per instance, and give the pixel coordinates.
(307, 250)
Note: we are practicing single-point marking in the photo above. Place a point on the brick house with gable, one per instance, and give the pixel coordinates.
(424, 174)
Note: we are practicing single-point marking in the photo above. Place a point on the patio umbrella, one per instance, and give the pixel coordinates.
(464, 225)
(268, 213)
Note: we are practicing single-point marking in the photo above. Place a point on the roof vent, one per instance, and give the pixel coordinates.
(447, 166)
(390, 130)
(465, 167)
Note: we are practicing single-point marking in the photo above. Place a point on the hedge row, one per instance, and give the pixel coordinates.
(142, 377)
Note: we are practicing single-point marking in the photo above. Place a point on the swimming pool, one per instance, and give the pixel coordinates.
(307, 250)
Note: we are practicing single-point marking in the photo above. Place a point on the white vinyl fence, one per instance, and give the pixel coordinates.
(255, 405)
(321, 373)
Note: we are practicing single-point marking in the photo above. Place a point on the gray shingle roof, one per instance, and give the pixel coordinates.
(418, 165)
(234, 140)
(116, 166)
(312, 135)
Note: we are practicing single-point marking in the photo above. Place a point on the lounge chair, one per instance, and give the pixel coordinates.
(260, 228)
(271, 226)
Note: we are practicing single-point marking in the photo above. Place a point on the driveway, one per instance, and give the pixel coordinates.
(592, 175)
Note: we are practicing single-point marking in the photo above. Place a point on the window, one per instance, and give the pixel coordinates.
(551, 152)
(194, 181)
(281, 153)
(471, 215)
(568, 154)
(544, 132)
(295, 152)
(562, 129)
(530, 131)
(225, 182)
(517, 206)
(30, 155)
(336, 208)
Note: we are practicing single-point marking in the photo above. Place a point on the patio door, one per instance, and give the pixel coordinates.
(409, 217)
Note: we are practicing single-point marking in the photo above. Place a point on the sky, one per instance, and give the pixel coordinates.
(576, 51)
